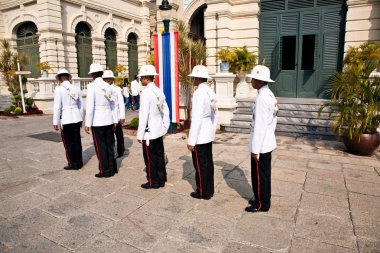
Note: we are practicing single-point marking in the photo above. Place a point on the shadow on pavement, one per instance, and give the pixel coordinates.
(239, 185)
(188, 170)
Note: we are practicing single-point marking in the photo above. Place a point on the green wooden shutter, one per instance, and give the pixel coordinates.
(84, 49)
(133, 58)
(111, 49)
(27, 44)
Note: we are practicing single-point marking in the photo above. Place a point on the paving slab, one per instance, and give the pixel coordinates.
(103, 244)
(140, 230)
(307, 245)
(20, 204)
(268, 232)
(203, 229)
(323, 199)
(77, 229)
(325, 228)
(243, 248)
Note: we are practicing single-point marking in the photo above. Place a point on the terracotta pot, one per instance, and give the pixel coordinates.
(366, 144)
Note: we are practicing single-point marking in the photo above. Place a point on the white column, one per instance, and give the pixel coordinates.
(225, 96)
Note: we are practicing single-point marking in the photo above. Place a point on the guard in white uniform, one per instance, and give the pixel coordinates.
(262, 139)
(68, 113)
(109, 78)
(153, 125)
(202, 133)
(102, 118)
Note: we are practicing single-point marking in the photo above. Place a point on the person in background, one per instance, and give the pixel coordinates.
(68, 113)
(109, 78)
(135, 91)
(127, 94)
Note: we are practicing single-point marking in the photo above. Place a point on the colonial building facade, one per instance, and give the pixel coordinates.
(302, 41)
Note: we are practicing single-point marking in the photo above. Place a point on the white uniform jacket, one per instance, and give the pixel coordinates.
(68, 106)
(203, 116)
(135, 88)
(120, 101)
(101, 109)
(153, 115)
(264, 121)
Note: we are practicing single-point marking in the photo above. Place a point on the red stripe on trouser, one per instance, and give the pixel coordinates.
(97, 151)
(64, 144)
(258, 183)
(199, 172)
(147, 155)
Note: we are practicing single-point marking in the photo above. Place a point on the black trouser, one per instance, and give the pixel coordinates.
(104, 142)
(204, 169)
(73, 145)
(119, 139)
(154, 157)
(261, 180)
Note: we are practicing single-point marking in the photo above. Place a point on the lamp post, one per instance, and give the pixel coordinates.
(165, 10)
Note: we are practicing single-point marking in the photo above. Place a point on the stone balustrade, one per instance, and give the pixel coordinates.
(42, 91)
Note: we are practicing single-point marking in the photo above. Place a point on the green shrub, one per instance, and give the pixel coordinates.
(18, 110)
(29, 101)
(134, 122)
(9, 109)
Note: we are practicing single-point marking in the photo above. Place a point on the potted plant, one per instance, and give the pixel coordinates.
(44, 67)
(355, 99)
(242, 63)
(119, 69)
(225, 55)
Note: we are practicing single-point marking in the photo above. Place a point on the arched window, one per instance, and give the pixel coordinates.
(111, 48)
(27, 44)
(84, 48)
(133, 57)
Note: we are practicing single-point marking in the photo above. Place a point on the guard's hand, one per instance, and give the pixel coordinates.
(140, 141)
(114, 126)
(122, 121)
(255, 156)
(87, 130)
(55, 127)
(190, 148)
(81, 124)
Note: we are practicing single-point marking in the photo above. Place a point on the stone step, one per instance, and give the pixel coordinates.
(303, 121)
(234, 129)
(303, 128)
(283, 132)
(285, 113)
(5, 102)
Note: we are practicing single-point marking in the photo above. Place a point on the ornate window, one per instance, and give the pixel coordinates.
(111, 48)
(84, 48)
(133, 58)
(27, 44)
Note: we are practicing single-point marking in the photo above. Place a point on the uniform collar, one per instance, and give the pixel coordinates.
(204, 84)
(263, 88)
(151, 84)
(66, 84)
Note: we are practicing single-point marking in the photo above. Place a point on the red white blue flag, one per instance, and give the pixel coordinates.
(166, 63)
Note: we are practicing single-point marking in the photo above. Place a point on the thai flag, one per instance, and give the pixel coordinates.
(166, 63)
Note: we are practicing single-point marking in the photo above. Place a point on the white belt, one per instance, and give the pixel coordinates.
(69, 107)
(102, 107)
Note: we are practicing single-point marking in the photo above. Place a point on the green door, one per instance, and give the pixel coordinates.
(111, 49)
(133, 58)
(302, 43)
(84, 48)
(27, 44)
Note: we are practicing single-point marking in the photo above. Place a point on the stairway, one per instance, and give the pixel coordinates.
(5, 102)
(296, 118)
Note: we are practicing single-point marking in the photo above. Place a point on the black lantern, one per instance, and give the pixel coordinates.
(165, 11)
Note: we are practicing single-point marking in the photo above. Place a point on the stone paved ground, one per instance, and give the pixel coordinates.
(324, 200)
